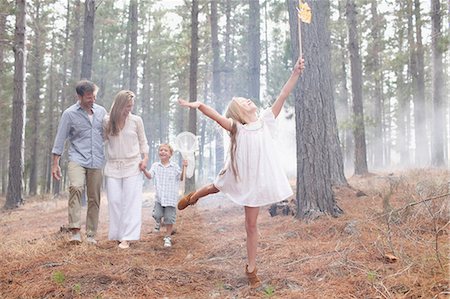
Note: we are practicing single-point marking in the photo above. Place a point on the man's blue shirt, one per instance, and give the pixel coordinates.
(86, 138)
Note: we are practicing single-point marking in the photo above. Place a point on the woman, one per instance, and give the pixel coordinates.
(126, 156)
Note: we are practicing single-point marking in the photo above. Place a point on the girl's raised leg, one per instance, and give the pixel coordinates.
(194, 196)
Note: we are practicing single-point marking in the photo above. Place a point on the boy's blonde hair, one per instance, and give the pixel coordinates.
(121, 99)
(168, 146)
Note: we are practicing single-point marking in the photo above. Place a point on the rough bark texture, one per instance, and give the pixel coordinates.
(314, 111)
(422, 155)
(357, 96)
(254, 55)
(133, 46)
(192, 124)
(88, 41)
(36, 65)
(375, 67)
(343, 108)
(437, 146)
(216, 86)
(16, 148)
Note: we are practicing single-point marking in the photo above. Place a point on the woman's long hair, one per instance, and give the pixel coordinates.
(116, 121)
(235, 113)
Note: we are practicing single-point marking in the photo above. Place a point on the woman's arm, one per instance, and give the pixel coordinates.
(209, 112)
(288, 87)
(147, 174)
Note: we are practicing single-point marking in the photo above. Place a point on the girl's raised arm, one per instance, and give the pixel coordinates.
(288, 87)
(208, 111)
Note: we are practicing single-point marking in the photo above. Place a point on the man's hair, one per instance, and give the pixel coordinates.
(85, 86)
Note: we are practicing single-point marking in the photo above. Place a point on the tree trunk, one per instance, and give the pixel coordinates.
(64, 51)
(437, 158)
(357, 96)
(192, 124)
(254, 54)
(228, 53)
(216, 87)
(36, 104)
(146, 96)
(56, 186)
(344, 103)
(3, 134)
(378, 160)
(133, 45)
(16, 148)
(88, 41)
(126, 58)
(401, 93)
(422, 155)
(76, 72)
(313, 110)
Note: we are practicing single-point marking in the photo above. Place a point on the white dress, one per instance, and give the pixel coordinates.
(262, 179)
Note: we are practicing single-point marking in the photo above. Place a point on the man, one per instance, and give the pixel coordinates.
(81, 123)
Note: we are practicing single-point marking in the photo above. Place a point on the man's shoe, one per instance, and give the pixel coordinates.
(75, 238)
(124, 244)
(186, 201)
(91, 241)
(167, 241)
(157, 227)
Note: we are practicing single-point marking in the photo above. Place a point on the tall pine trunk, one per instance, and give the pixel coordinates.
(133, 45)
(3, 135)
(193, 67)
(254, 51)
(16, 147)
(422, 155)
(313, 110)
(36, 65)
(76, 35)
(216, 86)
(88, 41)
(378, 144)
(357, 96)
(438, 85)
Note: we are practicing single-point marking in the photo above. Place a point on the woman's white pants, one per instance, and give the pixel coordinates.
(125, 207)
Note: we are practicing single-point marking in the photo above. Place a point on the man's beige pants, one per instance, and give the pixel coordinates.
(78, 176)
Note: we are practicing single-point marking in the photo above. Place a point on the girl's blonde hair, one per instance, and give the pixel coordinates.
(234, 111)
(121, 100)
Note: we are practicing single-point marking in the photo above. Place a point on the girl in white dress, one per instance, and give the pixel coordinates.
(126, 156)
(252, 176)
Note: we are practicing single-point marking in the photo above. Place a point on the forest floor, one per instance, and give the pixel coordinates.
(391, 242)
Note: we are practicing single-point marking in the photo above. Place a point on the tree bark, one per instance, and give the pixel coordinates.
(3, 134)
(193, 66)
(36, 65)
(133, 45)
(313, 112)
(88, 41)
(76, 66)
(344, 99)
(377, 74)
(437, 159)
(357, 96)
(16, 148)
(216, 86)
(254, 54)
(422, 155)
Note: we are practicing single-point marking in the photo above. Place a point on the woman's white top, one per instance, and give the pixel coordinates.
(124, 151)
(261, 178)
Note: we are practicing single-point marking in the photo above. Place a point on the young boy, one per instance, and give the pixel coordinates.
(167, 176)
